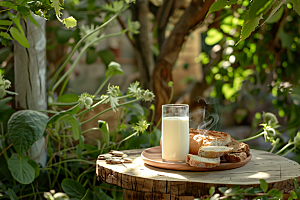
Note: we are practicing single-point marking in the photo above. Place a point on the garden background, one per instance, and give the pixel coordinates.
(83, 77)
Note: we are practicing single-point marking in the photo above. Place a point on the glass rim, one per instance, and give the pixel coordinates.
(175, 105)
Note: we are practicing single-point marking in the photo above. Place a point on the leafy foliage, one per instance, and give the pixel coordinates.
(25, 127)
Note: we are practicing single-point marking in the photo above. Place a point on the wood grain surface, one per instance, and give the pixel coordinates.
(140, 179)
(152, 156)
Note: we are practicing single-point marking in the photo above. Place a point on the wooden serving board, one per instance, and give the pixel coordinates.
(152, 156)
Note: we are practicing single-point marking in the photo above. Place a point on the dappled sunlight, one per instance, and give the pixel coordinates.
(148, 171)
(260, 175)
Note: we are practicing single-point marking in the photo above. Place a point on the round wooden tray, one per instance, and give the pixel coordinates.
(152, 156)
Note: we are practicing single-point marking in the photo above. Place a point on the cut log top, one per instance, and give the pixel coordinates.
(278, 172)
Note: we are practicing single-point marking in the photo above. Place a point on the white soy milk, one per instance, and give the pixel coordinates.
(175, 138)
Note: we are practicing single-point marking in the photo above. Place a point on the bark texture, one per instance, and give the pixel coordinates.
(142, 181)
(30, 76)
(171, 47)
(142, 47)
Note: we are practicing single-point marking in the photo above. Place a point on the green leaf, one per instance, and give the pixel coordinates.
(103, 125)
(297, 189)
(68, 98)
(16, 19)
(213, 36)
(263, 185)
(106, 56)
(78, 152)
(248, 27)
(25, 127)
(228, 91)
(259, 7)
(212, 190)
(31, 18)
(5, 22)
(113, 69)
(12, 194)
(274, 11)
(222, 189)
(74, 123)
(8, 5)
(265, 197)
(137, 107)
(218, 5)
(254, 191)
(73, 188)
(103, 196)
(69, 22)
(5, 35)
(88, 195)
(25, 11)
(35, 166)
(275, 194)
(276, 17)
(293, 195)
(91, 56)
(57, 116)
(81, 142)
(21, 170)
(19, 37)
(296, 6)
(232, 190)
(2, 186)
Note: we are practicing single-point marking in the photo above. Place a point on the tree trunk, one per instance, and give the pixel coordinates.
(171, 47)
(143, 45)
(30, 76)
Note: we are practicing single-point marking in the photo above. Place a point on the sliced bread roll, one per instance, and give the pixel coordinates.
(199, 138)
(195, 143)
(239, 147)
(198, 161)
(235, 157)
(214, 151)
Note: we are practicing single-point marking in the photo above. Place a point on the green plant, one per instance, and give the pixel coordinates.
(67, 162)
(237, 192)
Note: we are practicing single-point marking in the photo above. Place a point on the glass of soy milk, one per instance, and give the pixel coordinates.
(175, 132)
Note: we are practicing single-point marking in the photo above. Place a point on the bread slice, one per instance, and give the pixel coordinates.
(239, 147)
(212, 138)
(214, 151)
(235, 157)
(199, 138)
(196, 142)
(198, 161)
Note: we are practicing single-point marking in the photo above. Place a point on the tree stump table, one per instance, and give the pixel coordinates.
(142, 181)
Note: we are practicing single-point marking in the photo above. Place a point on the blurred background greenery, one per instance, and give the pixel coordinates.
(184, 57)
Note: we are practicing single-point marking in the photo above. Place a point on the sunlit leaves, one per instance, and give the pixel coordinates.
(213, 36)
(57, 7)
(69, 22)
(115, 6)
(259, 7)
(248, 27)
(218, 5)
(296, 6)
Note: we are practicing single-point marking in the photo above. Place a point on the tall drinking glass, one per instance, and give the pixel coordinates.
(175, 132)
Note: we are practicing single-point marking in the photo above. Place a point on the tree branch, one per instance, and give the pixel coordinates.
(171, 47)
(162, 19)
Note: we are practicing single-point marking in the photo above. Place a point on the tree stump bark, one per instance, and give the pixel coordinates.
(141, 181)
